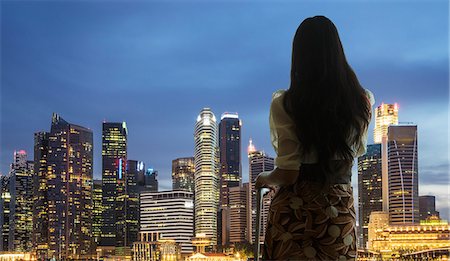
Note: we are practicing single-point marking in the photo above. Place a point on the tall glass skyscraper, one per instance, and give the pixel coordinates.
(114, 160)
(97, 211)
(66, 193)
(385, 115)
(21, 208)
(183, 170)
(230, 154)
(40, 195)
(403, 179)
(369, 188)
(206, 176)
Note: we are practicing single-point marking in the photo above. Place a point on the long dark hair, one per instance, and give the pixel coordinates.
(325, 99)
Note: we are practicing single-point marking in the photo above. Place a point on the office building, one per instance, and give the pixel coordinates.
(369, 188)
(168, 214)
(427, 207)
(385, 115)
(64, 204)
(114, 160)
(206, 176)
(183, 170)
(97, 212)
(402, 153)
(258, 162)
(5, 210)
(238, 197)
(40, 233)
(21, 203)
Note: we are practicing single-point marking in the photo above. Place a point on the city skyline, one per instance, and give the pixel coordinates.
(230, 58)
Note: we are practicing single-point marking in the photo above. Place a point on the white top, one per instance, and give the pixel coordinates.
(284, 139)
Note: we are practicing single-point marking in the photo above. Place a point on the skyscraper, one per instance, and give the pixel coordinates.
(66, 192)
(206, 176)
(40, 195)
(258, 162)
(97, 211)
(5, 210)
(183, 170)
(230, 154)
(21, 204)
(114, 159)
(229, 169)
(238, 197)
(385, 115)
(403, 174)
(369, 187)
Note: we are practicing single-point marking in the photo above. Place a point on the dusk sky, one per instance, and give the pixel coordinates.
(156, 64)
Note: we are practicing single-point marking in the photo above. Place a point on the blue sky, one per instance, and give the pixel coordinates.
(156, 64)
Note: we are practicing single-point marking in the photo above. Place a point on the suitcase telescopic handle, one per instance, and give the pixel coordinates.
(260, 193)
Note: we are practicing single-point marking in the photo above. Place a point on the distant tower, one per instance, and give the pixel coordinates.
(230, 169)
(427, 207)
(230, 154)
(183, 170)
(403, 174)
(114, 160)
(258, 162)
(5, 210)
(21, 189)
(40, 196)
(97, 211)
(385, 115)
(64, 198)
(206, 176)
(369, 187)
(238, 214)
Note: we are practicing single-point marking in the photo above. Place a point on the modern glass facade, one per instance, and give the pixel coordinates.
(369, 188)
(403, 178)
(183, 170)
(40, 197)
(66, 192)
(21, 204)
(168, 214)
(114, 160)
(206, 176)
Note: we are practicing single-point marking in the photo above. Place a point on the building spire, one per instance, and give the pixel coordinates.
(251, 148)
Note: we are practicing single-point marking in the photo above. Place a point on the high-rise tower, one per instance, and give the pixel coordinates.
(40, 196)
(114, 159)
(21, 212)
(229, 170)
(385, 115)
(183, 170)
(230, 154)
(206, 176)
(258, 162)
(403, 178)
(369, 187)
(64, 197)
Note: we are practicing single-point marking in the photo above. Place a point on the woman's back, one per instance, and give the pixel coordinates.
(318, 126)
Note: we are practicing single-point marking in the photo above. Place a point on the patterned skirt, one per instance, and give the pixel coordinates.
(308, 223)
